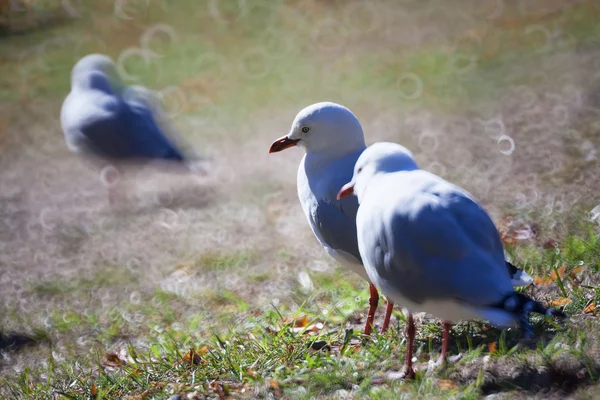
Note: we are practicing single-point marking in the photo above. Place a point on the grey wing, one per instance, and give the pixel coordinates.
(147, 98)
(335, 223)
(443, 245)
(80, 110)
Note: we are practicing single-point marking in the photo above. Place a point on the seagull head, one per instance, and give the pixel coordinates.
(100, 65)
(382, 157)
(323, 127)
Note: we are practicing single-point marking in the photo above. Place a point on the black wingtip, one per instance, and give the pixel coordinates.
(553, 312)
(520, 304)
(518, 277)
(511, 268)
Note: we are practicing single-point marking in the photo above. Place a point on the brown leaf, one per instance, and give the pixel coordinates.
(193, 357)
(309, 329)
(274, 386)
(560, 302)
(542, 281)
(492, 347)
(220, 389)
(575, 271)
(590, 308)
(113, 361)
(299, 322)
(550, 244)
(112, 357)
(507, 239)
(94, 391)
(251, 372)
(553, 277)
(561, 272)
(446, 384)
(353, 348)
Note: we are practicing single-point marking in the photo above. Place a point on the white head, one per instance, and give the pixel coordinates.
(99, 64)
(325, 127)
(379, 158)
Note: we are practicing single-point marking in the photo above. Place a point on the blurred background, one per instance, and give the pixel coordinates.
(500, 96)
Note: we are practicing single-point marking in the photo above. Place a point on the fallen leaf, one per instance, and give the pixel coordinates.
(575, 271)
(492, 347)
(561, 272)
(193, 357)
(274, 386)
(251, 372)
(560, 302)
(94, 391)
(446, 384)
(220, 389)
(354, 348)
(299, 322)
(112, 357)
(507, 239)
(542, 281)
(590, 308)
(113, 361)
(550, 244)
(309, 329)
(553, 277)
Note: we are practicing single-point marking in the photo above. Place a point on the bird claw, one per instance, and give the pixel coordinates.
(442, 361)
(448, 360)
(407, 374)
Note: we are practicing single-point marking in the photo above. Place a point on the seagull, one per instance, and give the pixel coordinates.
(111, 124)
(333, 139)
(429, 246)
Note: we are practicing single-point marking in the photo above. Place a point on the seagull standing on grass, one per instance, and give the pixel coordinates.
(429, 246)
(333, 139)
(112, 124)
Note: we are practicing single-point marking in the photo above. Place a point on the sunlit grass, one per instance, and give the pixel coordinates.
(255, 351)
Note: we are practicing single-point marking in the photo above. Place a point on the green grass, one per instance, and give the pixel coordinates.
(254, 350)
(257, 339)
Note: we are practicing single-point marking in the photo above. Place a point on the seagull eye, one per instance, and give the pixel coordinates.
(359, 170)
(305, 129)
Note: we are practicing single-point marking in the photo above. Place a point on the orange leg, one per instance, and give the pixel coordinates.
(409, 372)
(388, 314)
(373, 301)
(445, 339)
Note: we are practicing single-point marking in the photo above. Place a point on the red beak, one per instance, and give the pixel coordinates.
(346, 190)
(282, 144)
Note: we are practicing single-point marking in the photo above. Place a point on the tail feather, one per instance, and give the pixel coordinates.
(520, 305)
(174, 155)
(518, 277)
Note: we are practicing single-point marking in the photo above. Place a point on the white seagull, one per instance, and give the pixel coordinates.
(429, 246)
(110, 123)
(333, 139)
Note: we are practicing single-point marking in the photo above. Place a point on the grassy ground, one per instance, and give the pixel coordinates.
(215, 287)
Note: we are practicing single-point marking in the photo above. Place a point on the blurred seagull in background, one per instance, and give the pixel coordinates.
(112, 124)
(429, 246)
(333, 139)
